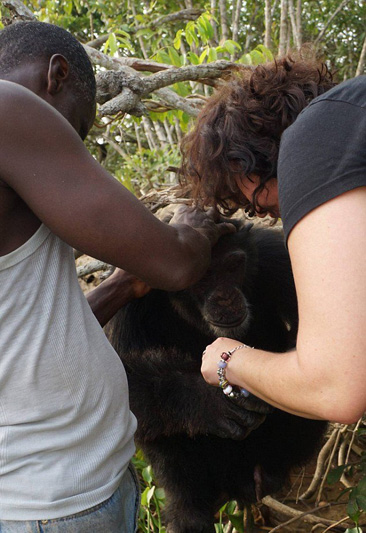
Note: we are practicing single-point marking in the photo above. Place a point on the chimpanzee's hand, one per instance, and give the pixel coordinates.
(206, 222)
(225, 418)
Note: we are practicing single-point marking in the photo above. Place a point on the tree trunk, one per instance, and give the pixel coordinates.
(236, 19)
(293, 24)
(361, 63)
(283, 29)
(213, 22)
(223, 18)
(298, 22)
(267, 24)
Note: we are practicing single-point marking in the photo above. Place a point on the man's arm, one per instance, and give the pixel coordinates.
(325, 376)
(115, 292)
(44, 161)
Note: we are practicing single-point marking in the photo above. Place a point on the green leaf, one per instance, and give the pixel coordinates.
(150, 494)
(246, 59)
(178, 39)
(335, 475)
(361, 502)
(193, 58)
(257, 57)
(353, 510)
(265, 51)
(203, 55)
(144, 496)
(237, 521)
(353, 530)
(175, 58)
(147, 474)
(229, 47)
(212, 55)
(361, 487)
(160, 494)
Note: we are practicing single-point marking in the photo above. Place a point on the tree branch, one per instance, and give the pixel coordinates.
(334, 14)
(18, 9)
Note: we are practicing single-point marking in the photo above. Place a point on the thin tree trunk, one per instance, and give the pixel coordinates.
(361, 63)
(236, 19)
(283, 29)
(213, 22)
(249, 35)
(137, 133)
(223, 18)
(140, 39)
(267, 24)
(149, 133)
(169, 133)
(298, 22)
(295, 34)
(160, 133)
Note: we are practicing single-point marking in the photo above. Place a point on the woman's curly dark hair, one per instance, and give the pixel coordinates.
(238, 131)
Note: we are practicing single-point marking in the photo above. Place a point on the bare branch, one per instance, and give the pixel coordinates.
(18, 9)
(121, 90)
(334, 14)
(115, 63)
(184, 14)
(96, 43)
(91, 267)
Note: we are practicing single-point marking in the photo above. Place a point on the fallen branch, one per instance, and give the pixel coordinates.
(295, 515)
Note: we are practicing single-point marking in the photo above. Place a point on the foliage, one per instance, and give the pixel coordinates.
(143, 29)
(153, 500)
(356, 494)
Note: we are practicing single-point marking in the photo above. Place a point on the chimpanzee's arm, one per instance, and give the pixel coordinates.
(169, 396)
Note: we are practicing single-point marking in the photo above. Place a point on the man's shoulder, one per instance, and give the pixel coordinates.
(351, 91)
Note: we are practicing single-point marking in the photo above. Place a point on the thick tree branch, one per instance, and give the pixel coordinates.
(122, 90)
(18, 9)
(184, 14)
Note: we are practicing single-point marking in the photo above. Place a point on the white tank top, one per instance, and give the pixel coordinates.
(66, 431)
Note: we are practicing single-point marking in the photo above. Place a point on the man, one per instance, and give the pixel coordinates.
(319, 190)
(66, 434)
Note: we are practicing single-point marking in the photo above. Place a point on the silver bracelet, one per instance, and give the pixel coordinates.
(229, 390)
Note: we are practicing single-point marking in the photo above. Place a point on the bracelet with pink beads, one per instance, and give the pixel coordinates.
(228, 389)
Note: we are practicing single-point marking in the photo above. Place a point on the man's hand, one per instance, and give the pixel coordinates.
(208, 223)
(115, 292)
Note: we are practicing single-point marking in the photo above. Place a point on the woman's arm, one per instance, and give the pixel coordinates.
(325, 377)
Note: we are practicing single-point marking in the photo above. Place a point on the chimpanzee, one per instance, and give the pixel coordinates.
(204, 447)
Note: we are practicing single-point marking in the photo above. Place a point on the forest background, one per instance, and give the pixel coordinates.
(156, 64)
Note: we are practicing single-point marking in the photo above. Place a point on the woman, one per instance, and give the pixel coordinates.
(316, 182)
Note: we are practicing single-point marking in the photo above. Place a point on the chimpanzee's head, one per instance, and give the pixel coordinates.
(220, 302)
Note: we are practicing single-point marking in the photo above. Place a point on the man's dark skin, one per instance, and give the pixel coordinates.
(47, 175)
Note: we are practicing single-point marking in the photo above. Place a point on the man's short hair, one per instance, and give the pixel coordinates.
(31, 41)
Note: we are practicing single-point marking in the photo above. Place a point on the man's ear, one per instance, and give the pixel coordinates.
(58, 72)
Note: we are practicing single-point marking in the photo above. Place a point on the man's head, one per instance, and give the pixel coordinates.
(237, 134)
(52, 63)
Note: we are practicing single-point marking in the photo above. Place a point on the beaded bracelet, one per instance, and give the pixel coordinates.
(228, 389)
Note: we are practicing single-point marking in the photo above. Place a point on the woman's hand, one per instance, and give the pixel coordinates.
(211, 356)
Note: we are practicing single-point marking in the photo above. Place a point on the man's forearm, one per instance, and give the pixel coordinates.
(113, 294)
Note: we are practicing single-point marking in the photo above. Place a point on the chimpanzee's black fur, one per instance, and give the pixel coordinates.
(205, 448)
